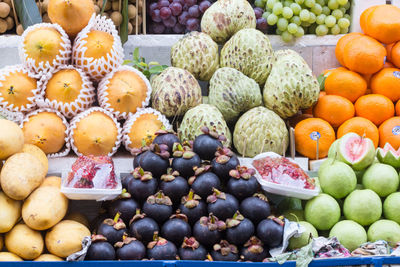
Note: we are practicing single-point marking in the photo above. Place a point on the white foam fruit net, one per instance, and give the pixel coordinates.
(37, 69)
(127, 128)
(80, 116)
(98, 68)
(67, 147)
(14, 116)
(4, 104)
(84, 100)
(102, 92)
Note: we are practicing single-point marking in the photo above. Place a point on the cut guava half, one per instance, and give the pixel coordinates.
(356, 151)
(389, 155)
(333, 149)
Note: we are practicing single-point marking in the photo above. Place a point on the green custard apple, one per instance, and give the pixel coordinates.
(383, 179)
(322, 212)
(301, 241)
(349, 233)
(362, 206)
(391, 207)
(384, 230)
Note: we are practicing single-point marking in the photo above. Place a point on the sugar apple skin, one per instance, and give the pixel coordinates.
(290, 86)
(232, 93)
(175, 91)
(250, 52)
(197, 53)
(260, 130)
(203, 115)
(224, 18)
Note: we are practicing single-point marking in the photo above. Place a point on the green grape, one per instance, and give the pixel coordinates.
(312, 18)
(321, 30)
(326, 10)
(292, 28)
(343, 23)
(271, 3)
(343, 10)
(259, 3)
(337, 13)
(272, 19)
(330, 21)
(296, 8)
(320, 19)
(321, 2)
(266, 14)
(299, 2)
(287, 3)
(335, 30)
(296, 20)
(326, 2)
(344, 30)
(287, 12)
(277, 9)
(278, 32)
(309, 3)
(333, 4)
(342, 2)
(311, 29)
(305, 24)
(300, 32)
(282, 24)
(347, 16)
(304, 15)
(287, 37)
(317, 9)
(347, 6)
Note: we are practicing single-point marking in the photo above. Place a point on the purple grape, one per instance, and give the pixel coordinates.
(176, 8)
(258, 12)
(153, 6)
(170, 1)
(170, 22)
(183, 17)
(156, 16)
(185, 7)
(163, 3)
(158, 27)
(262, 24)
(179, 28)
(204, 5)
(168, 30)
(194, 11)
(192, 24)
(191, 2)
(165, 13)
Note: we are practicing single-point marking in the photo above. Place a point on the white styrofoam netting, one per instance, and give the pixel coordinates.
(102, 93)
(84, 100)
(133, 117)
(67, 146)
(4, 72)
(80, 116)
(37, 69)
(98, 68)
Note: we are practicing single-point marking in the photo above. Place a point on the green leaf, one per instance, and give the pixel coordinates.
(321, 80)
(103, 7)
(156, 69)
(147, 74)
(28, 12)
(123, 30)
(127, 62)
(153, 63)
(136, 54)
(164, 66)
(143, 64)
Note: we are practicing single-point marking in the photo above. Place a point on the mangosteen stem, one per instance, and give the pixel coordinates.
(155, 236)
(137, 211)
(209, 257)
(116, 218)
(191, 194)
(141, 171)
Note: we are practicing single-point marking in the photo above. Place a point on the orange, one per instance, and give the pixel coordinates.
(397, 108)
(383, 23)
(395, 55)
(345, 83)
(389, 48)
(310, 109)
(374, 107)
(364, 55)
(367, 78)
(334, 109)
(389, 132)
(306, 134)
(388, 65)
(364, 17)
(329, 71)
(387, 83)
(360, 126)
(342, 43)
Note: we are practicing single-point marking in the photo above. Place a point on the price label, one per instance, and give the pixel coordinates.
(316, 135)
(396, 130)
(396, 74)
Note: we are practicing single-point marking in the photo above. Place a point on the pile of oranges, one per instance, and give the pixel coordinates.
(362, 96)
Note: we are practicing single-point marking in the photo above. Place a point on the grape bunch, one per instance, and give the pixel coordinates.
(176, 16)
(262, 24)
(296, 18)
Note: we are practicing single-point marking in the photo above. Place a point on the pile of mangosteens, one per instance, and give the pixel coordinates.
(188, 201)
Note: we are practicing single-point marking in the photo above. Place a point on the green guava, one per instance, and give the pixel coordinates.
(359, 175)
(384, 230)
(360, 186)
(337, 179)
(381, 178)
(322, 211)
(294, 215)
(356, 151)
(362, 206)
(391, 207)
(389, 155)
(349, 233)
(333, 149)
(304, 239)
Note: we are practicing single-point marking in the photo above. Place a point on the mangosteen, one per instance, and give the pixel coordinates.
(95, 223)
(207, 230)
(192, 250)
(113, 229)
(238, 229)
(204, 181)
(167, 138)
(125, 181)
(224, 252)
(206, 145)
(256, 208)
(137, 153)
(222, 205)
(155, 160)
(142, 227)
(100, 250)
(185, 160)
(174, 186)
(270, 231)
(158, 207)
(142, 185)
(242, 183)
(130, 249)
(161, 249)
(125, 205)
(193, 207)
(224, 161)
(253, 250)
(176, 228)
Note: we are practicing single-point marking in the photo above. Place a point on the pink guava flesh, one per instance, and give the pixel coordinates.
(356, 148)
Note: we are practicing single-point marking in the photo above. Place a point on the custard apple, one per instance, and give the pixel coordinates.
(250, 52)
(232, 93)
(203, 115)
(224, 18)
(291, 85)
(197, 53)
(260, 130)
(175, 91)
